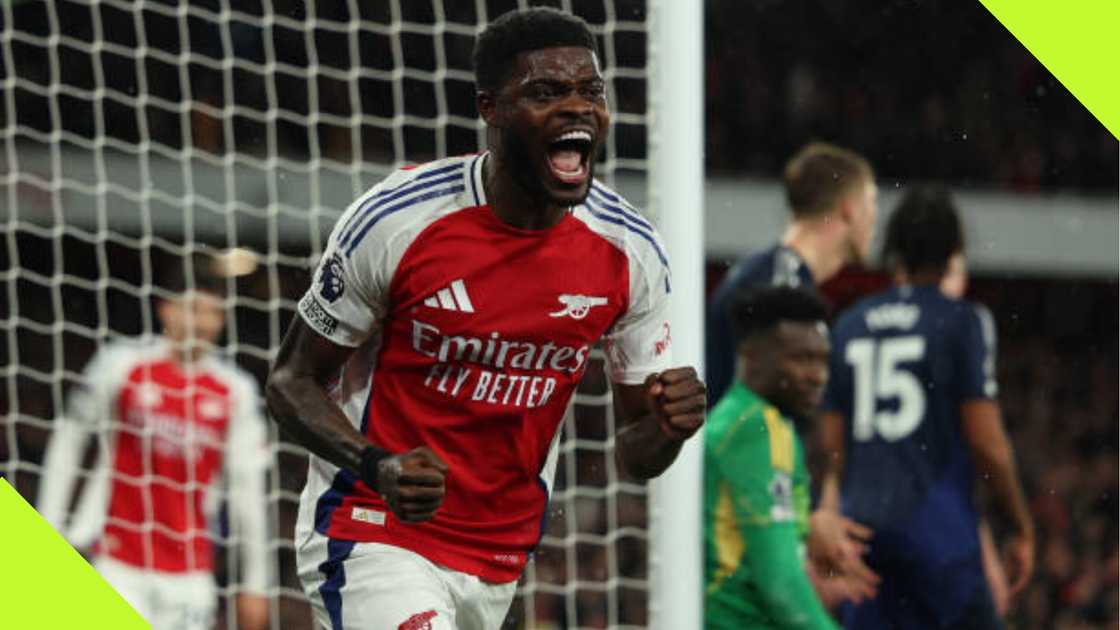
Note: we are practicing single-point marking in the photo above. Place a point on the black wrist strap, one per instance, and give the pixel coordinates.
(371, 458)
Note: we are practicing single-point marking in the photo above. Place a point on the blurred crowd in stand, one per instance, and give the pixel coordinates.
(927, 90)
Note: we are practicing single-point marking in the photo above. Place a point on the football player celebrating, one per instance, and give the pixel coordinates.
(449, 322)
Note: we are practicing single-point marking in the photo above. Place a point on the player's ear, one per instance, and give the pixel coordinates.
(846, 207)
(487, 103)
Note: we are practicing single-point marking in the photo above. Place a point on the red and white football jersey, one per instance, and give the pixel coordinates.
(167, 432)
(471, 337)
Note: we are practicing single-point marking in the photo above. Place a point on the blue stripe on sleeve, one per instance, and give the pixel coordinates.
(617, 217)
(420, 182)
(470, 178)
(407, 203)
(620, 205)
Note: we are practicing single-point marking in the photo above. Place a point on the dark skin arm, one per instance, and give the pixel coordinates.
(836, 543)
(830, 432)
(982, 427)
(412, 483)
(655, 419)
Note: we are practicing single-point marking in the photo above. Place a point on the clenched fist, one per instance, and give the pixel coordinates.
(677, 398)
(412, 483)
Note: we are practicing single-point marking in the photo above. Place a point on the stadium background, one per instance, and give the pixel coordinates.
(133, 165)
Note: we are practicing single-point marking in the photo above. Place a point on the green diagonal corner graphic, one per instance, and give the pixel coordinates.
(1077, 41)
(45, 584)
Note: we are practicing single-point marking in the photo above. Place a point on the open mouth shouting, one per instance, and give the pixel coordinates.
(569, 157)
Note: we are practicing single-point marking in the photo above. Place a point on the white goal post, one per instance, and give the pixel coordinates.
(676, 181)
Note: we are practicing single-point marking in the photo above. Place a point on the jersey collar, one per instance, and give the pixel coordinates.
(473, 178)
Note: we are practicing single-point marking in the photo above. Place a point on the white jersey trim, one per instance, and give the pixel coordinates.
(640, 342)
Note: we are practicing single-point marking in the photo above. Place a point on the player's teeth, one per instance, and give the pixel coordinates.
(575, 135)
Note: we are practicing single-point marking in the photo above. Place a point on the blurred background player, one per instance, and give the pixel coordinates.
(954, 284)
(756, 488)
(168, 418)
(911, 423)
(833, 199)
(447, 327)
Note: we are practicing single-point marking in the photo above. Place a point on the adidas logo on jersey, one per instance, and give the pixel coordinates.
(452, 298)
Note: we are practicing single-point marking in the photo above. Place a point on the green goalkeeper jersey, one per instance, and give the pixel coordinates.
(756, 518)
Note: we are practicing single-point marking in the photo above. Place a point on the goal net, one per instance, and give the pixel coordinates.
(138, 135)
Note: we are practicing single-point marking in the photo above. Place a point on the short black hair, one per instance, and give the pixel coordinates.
(520, 31)
(759, 311)
(924, 232)
(176, 280)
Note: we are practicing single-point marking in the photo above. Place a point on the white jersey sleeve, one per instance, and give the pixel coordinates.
(248, 462)
(347, 298)
(88, 415)
(349, 294)
(639, 343)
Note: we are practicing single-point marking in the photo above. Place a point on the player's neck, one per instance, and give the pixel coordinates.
(185, 355)
(819, 244)
(918, 279)
(512, 202)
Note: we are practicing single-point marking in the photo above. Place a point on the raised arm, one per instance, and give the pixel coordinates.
(297, 394)
(655, 418)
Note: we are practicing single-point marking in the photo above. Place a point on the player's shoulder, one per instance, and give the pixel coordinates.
(608, 214)
(773, 266)
(970, 315)
(737, 421)
(429, 175)
(855, 316)
(952, 311)
(756, 265)
(117, 353)
(968, 308)
(752, 268)
(408, 196)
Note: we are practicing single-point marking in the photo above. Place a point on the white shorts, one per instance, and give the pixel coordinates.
(371, 586)
(168, 601)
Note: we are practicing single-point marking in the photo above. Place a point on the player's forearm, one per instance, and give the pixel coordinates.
(832, 447)
(60, 467)
(830, 491)
(643, 450)
(995, 463)
(248, 502)
(301, 406)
